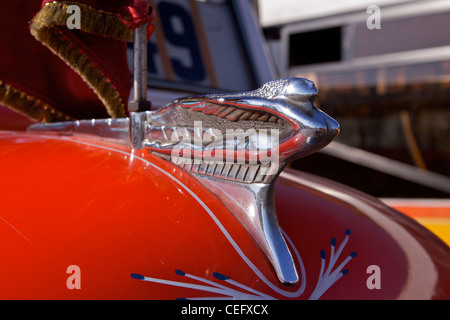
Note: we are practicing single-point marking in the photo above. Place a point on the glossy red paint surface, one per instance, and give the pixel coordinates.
(140, 228)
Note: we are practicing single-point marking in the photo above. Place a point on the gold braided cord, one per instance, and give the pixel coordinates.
(95, 21)
(45, 27)
(29, 106)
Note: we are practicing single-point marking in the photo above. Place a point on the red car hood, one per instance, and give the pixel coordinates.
(128, 225)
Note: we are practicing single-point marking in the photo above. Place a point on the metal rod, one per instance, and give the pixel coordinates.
(140, 102)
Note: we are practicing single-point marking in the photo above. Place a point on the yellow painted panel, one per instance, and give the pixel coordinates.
(439, 226)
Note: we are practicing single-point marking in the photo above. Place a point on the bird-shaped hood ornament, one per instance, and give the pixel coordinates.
(237, 144)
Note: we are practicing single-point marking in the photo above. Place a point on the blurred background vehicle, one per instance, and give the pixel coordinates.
(388, 87)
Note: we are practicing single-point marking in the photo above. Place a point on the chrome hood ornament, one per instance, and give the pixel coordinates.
(235, 145)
